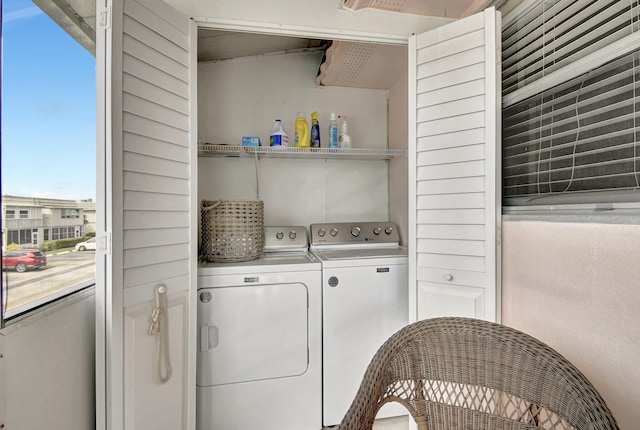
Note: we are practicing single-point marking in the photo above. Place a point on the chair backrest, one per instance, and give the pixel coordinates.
(464, 374)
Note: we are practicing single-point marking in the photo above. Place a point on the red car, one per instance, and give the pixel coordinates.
(23, 259)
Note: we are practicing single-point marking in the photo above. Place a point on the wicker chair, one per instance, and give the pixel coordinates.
(467, 374)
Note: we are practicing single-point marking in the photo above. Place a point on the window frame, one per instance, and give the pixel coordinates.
(615, 206)
(50, 300)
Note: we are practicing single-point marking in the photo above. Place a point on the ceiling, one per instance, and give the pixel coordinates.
(442, 8)
(216, 45)
(76, 17)
(346, 64)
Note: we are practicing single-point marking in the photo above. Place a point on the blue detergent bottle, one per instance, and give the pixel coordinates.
(315, 131)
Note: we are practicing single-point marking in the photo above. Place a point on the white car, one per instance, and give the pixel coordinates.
(88, 245)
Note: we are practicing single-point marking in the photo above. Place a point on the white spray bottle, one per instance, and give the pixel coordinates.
(345, 139)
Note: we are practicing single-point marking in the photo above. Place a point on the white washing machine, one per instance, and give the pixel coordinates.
(259, 339)
(365, 301)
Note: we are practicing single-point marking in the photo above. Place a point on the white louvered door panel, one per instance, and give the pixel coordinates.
(146, 86)
(454, 161)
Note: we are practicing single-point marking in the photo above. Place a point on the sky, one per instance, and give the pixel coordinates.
(48, 108)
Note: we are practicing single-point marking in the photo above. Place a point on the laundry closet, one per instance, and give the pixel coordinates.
(279, 345)
(243, 96)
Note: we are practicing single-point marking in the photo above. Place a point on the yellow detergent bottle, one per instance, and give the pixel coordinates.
(303, 139)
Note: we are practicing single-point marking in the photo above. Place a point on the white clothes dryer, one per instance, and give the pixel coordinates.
(365, 296)
(259, 339)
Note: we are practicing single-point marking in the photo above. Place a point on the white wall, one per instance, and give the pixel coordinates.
(243, 97)
(576, 286)
(47, 367)
(399, 167)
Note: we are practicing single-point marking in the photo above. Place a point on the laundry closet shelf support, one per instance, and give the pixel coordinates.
(208, 150)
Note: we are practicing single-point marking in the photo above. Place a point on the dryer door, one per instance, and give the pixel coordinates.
(251, 333)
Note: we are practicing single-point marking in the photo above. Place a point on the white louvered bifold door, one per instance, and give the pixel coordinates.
(148, 224)
(454, 161)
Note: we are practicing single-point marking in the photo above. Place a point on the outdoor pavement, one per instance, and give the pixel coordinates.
(63, 271)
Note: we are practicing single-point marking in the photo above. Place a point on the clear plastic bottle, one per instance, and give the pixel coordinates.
(345, 139)
(302, 131)
(333, 131)
(278, 136)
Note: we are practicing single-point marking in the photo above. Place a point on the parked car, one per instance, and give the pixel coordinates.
(87, 245)
(23, 259)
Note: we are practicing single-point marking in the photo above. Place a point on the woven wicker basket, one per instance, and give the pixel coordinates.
(232, 230)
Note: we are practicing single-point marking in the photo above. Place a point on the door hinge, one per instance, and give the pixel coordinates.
(498, 235)
(105, 18)
(104, 243)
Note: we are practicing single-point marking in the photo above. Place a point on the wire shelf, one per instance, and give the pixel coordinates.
(209, 150)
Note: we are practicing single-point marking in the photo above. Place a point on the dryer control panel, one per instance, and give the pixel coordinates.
(355, 233)
(285, 238)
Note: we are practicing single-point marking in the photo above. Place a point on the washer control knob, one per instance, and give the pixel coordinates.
(334, 232)
(292, 234)
(355, 231)
(388, 230)
(377, 231)
(321, 232)
(279, 235)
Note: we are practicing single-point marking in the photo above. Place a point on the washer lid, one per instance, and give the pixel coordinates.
(359, 253)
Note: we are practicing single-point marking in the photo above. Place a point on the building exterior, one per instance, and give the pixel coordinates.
(31, 221)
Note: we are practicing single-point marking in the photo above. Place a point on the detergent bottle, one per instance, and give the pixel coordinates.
(302, 131)
(345, 139)
(278, 136)
(315, 131)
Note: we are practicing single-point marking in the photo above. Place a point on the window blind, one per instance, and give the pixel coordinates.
(551, 34)
(578, 137)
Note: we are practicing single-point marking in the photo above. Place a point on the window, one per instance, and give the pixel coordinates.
(577, 137)
(19, 237)
(47, 113)
(64, 233)
(70, 213)
(25, 237)
(571, 110)
(13, 236)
